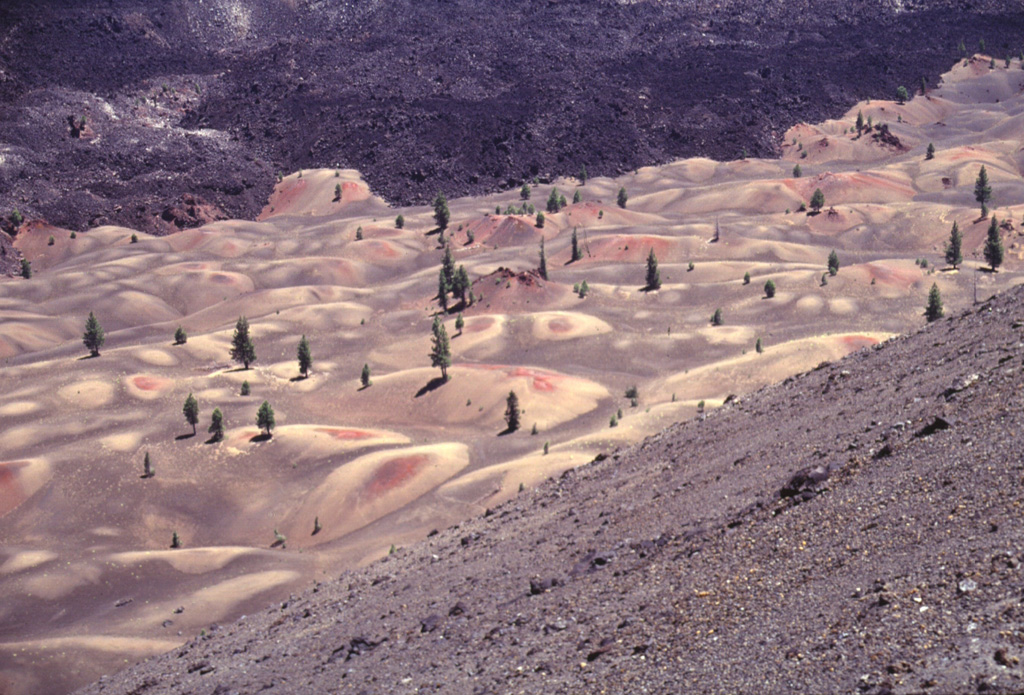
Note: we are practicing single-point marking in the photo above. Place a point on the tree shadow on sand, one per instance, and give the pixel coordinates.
(430, 386)
(184, 436)
(261, 437)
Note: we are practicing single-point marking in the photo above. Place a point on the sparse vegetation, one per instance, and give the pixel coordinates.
(954, 251)
(216, 428)
(242, 349)
(304, 356)
(982, 190)
(653, 276)
(513, 413)
(817, 200)
(553, 201)
(934, 311)
(441, 349)
(191, 411)
(442, 216)
(265, 418)
(994, 246)
(94, 337)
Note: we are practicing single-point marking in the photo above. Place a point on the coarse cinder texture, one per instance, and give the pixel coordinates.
(192, 108)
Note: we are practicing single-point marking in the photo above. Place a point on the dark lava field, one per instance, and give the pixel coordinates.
(192, 108)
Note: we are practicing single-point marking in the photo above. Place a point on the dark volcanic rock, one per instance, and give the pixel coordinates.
(466, 96)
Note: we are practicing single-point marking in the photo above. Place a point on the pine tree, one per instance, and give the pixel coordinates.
(759, 346)
(716, 318)
(797, 172)
(191, 411)
(746, 278)
(337, 192)
(577, 253)
(540, 219)
(462, 283)
(982, 190)
(448, 266)
(512, 412)
(245, 389)
(924, 86)
(147, 467)
(443, 288)
(901, 94)
(584, 289)
(26, 269)
(553, 199)
(653, 275)
(460, 323)
(304, 356)
(441, 349)
(934, 310)
(175, 540)
(583, 175)
(954, 251)
(242, 349)
(180, 336)
(524, 192)
(216, 428)
(994, 246)
(442, 216)
(265, 418)
(576, 197)
(561, 202)
(930, 152)
(623, 197)
(833, 263)
(769, 289)
(817, 200)
(94, 337)
(359, 233)
(399, 222)
(543, 269)
(364, 377)
(860, 122)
